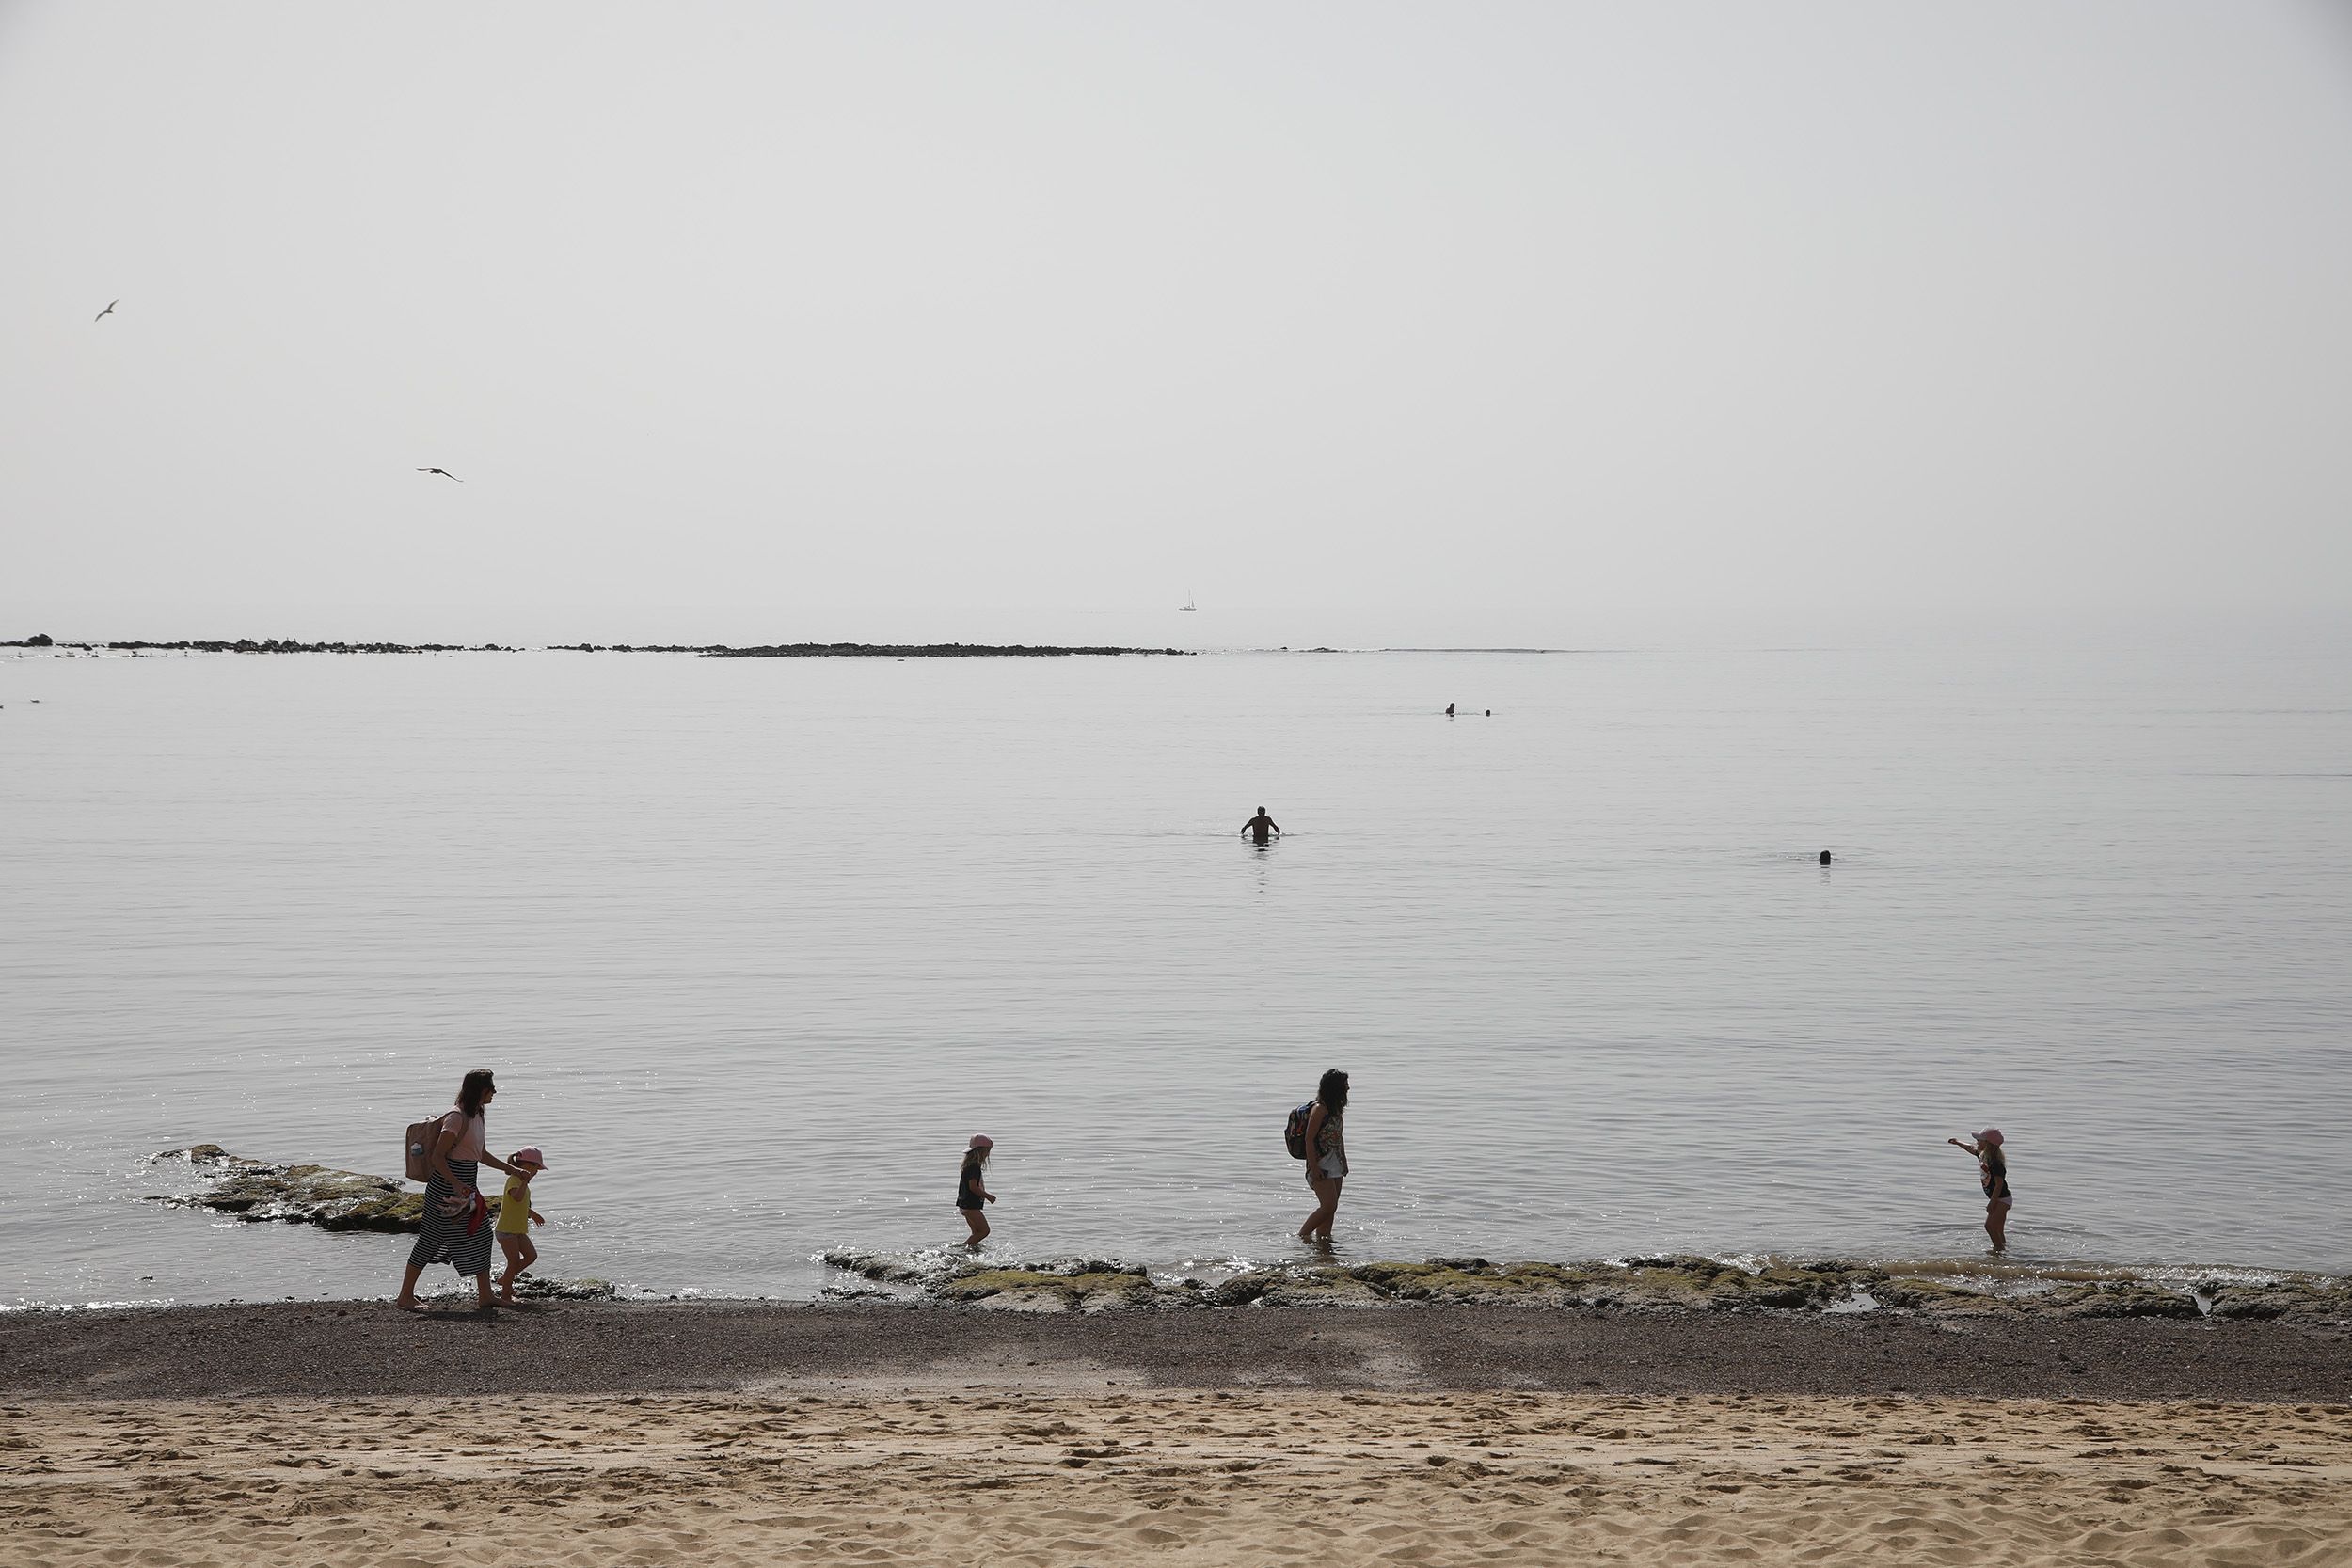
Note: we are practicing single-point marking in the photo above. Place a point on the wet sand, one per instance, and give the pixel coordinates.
(744, 1433)
(338, 1348)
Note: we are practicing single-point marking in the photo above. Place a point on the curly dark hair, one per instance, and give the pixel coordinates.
(1332, 1091)
(477, 1083)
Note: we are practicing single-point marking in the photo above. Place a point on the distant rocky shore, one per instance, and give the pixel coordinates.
(867, 650)
(705, 649)
(264, 645)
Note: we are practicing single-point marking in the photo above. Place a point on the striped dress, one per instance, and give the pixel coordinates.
(443, 1237)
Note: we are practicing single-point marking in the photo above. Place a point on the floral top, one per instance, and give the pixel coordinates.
(1331, 1146)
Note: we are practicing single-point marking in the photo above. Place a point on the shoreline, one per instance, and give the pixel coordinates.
(1984, 1290)
(341, 1349)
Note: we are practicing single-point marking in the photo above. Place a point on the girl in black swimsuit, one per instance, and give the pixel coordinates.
(971, 1192)
(1993, 1174)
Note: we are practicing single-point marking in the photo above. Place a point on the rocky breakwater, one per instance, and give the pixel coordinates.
(1676, 1283)
(331, 1199)
(1063, 1284)
(287, 645)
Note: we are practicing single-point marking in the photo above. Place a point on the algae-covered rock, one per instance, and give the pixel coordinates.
(1940, 1297)
(1365, 1285)
(2328, 1303)
(1459, 1280)
(2336, 1309)
(889, 1270)
(1090, 1286)
(2249, 1303)
(532, 1287)
(2112, 1299)
(1322, 1287)
(1391, 1275)
(1244, 1289)
(1595, 1286)
(1784, 1289)
(299, 1194)
(1679, 1282)
(2294, 1301)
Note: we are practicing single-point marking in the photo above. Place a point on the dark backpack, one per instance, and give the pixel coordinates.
(1295, 1130)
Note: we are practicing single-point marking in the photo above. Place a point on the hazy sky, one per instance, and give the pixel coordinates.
(1328, 305)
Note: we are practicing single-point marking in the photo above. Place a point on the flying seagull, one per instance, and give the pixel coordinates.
(443, 472)
(107, 311)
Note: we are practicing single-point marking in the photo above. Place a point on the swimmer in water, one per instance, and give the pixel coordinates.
(1260, 827)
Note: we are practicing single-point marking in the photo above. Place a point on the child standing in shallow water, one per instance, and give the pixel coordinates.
(972, 1195)
(516, 1218)
(1993, 1174)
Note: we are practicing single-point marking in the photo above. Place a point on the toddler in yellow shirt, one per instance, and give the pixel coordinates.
(516, 1218)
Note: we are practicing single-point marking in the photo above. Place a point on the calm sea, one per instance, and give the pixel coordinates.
(753, 946)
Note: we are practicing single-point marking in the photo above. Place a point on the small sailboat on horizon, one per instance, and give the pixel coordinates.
(1187, 604)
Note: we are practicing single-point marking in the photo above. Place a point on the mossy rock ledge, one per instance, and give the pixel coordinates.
(1678, 1283)
(531, 1288)
(1062, 1284)
(247, 1189)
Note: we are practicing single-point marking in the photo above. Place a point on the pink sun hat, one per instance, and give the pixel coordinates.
(981, 1140)
(1990, 1135)
(528, 1157)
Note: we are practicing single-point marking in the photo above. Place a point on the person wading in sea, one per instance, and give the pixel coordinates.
(1326, 1155)
(1993, 1175)
(1260, 827)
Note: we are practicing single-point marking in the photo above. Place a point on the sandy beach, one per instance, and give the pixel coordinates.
(747, 1433)
(1200, 1477)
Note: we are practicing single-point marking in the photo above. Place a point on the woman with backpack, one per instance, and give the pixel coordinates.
(1326, 1153)
(457, 1228)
